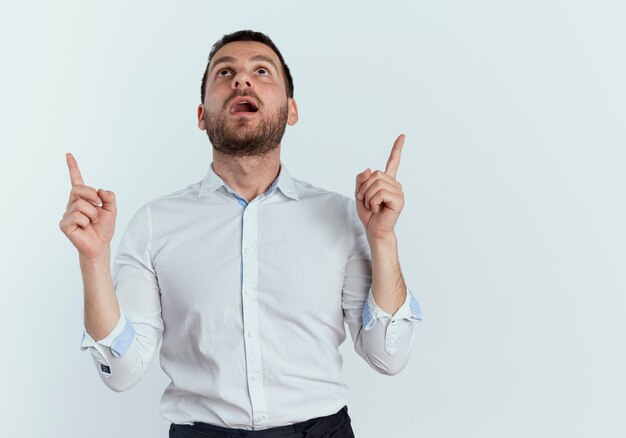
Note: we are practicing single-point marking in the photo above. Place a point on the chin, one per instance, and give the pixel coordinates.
(240, 122)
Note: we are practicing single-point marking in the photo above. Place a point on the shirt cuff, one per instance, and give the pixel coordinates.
(408, 311)
(119, 340)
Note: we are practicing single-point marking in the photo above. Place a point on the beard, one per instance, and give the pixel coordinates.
(241, 140)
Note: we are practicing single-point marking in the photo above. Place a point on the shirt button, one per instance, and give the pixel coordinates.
(260, 418)
(247, 250)
(250, 334)
(248, 292)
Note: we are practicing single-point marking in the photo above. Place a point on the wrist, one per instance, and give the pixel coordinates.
(382, 241)
(96, 261)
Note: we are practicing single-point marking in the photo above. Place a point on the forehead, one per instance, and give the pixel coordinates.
(244, 50)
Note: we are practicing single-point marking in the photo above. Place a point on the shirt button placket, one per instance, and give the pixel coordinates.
(250, 315)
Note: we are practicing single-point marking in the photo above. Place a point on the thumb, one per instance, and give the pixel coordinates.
(365, 173)
(361, 178)
(108, 200)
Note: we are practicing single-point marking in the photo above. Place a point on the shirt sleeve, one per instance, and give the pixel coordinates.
(123, 357)
(396, 323)
(384, 341)
(118, 341)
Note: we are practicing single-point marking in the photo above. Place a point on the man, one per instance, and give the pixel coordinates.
(247, 277)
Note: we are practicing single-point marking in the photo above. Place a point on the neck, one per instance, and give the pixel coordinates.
(248, 176)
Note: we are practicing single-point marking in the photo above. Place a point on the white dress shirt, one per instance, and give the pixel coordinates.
(248, 303)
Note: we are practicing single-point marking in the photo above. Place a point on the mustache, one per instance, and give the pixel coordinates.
(242, 93)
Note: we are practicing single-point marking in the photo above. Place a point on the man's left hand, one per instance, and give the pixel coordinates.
(379, 197)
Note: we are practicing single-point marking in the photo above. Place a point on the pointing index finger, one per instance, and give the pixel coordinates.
(75, 176)
(394, 157)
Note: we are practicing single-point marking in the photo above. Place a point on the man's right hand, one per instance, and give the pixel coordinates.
(89, 221)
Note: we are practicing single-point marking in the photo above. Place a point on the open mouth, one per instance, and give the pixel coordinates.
(243, 105)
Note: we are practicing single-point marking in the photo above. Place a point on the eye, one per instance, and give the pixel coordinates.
(223, 72)
(263, 71)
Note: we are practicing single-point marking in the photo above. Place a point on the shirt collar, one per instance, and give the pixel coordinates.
(283, 181)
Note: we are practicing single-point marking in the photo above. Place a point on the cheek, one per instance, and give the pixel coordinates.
(274, 99)
(273, 93)
(215, 96)
(213, 105)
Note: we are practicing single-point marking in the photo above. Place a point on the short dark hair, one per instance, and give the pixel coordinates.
(247, 35)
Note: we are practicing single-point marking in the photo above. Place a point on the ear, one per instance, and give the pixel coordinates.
(292, 117)
(201, 123)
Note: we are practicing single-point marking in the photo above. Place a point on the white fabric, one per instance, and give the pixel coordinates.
(248, 303)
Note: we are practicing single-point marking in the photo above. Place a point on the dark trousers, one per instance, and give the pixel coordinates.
(332, 426)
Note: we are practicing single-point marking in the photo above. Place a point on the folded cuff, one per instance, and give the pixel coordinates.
(398, 322)
(410, 309)
(119, 340)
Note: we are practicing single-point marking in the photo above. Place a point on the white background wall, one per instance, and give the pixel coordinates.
(512, 236)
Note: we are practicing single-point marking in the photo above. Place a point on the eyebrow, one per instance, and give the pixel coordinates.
(264, 58)
(223, 59)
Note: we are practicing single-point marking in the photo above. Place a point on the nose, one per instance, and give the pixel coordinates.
(241, 80)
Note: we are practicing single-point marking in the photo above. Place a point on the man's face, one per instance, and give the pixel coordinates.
(246, 108)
